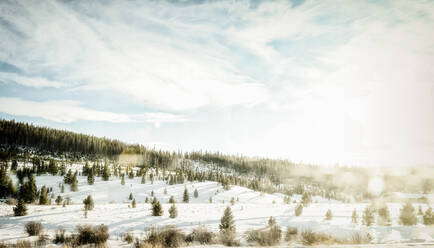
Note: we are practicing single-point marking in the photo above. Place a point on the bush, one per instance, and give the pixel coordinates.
(359, 238)
(368, 216)
(428, 217)
(329, 215)
(201, 235)
(227, 238)
(165, 237)
(268, 237)
(291, 233)
(59, 236)
(310, 238)
(33, 228)
(128, 237)
(11, 201)
(88, 234)
(23, 244)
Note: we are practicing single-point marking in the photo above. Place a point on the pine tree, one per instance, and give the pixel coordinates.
(354, 217)
(428, 217)
(147, 200)
(271, 221)
(62, 189)
(172, 199)
(210, 200)
(196, 194)
(52, 167)
(28, 190)
(106, 173)
(419, 211)
(90, 177)
(88, 203)
(59, 200)
(384, 216)
(298, 210)
(5, 183)
(43, 200)
(20, 209)
(408, 215)
(186, 197)
(329, 215)
(233, 201)
(227, 223)
(165, 191)
(133, 204)
(368, 216)
(173, 212)
(152, 193)
(131, 196)
(68, 177)
(143, 179)
(157, 209)
(74, 183)
(306, 199)
(123, 179)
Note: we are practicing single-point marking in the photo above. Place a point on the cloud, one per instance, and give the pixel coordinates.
(71, 111)
(36, 82)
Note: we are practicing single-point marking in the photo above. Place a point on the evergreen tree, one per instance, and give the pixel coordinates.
(20, 209)
(90, 177)
(133, 203)
(329, 215)
(384, 216)
(196, 194)
(172, 199)
(173, 212)
(143, 179)
(152, 193)
(52, 167)
(62, 189)
(210, 200)
(88, 203)
(106, 173)
(186, 197)
(428, 217)
(165, 191)
(28, 190)
(354, 217)
(5, 183)
(68, 177)
(59, 200)
(14, 165)
(227, 223)
(419, 211)
(408, 215)
(233, 201)
(74, 183)
(368, 216)
(123, 179)
(43, 200)
(131, 196)
(271, 221)
(306, 199)
(298, 210)
(157, 209)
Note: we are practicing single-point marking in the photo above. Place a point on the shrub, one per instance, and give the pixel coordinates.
(354, 217)
(11, 201)
(328, 215)
(311, 238)
(23, 244)
(59, 200)
(165, 237)
(368, 216)
(291, 233)
(228, 238)
(88, 234)
(384, 216)
(133, 203)
(268, 237)
(359, 238)
(59, 236)
(33, 228)
(128, 237)
(201, 235)
(298, 210)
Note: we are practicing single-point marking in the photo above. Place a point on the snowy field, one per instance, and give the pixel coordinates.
(251, 210)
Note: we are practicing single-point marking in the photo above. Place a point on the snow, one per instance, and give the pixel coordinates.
(252, 210)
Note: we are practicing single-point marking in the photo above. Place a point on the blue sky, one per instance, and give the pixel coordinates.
(328, 82)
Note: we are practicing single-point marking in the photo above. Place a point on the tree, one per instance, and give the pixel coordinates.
(419, 210)
(428, 217)
(186, 197)
(227, 223)
(143, 179)
(43, 200)
(368, 216)
(165, 191)
(68, 177)
(106, 173)
(306, 199)
(329, 215)
(408, 215)
(271, 221)
(384, 216)
(20, 209)
(157, 209)
(233, 201)
(172, 199)
(74, 183)
(59, 200)
(173, 212)
(28, 190)
(52, 167)
(298, 210)
(90, 177)
(354, 217)
(123, 179)
(5, 183)
(88, 203)
(196, 194)
(133, 203)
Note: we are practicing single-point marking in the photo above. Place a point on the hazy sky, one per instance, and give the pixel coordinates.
(348, 82)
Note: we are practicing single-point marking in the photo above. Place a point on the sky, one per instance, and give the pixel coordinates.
(326, 82)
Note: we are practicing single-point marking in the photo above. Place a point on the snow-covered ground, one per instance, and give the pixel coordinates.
(251, 210)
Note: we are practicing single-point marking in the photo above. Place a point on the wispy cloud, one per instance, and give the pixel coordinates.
(69, 111)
